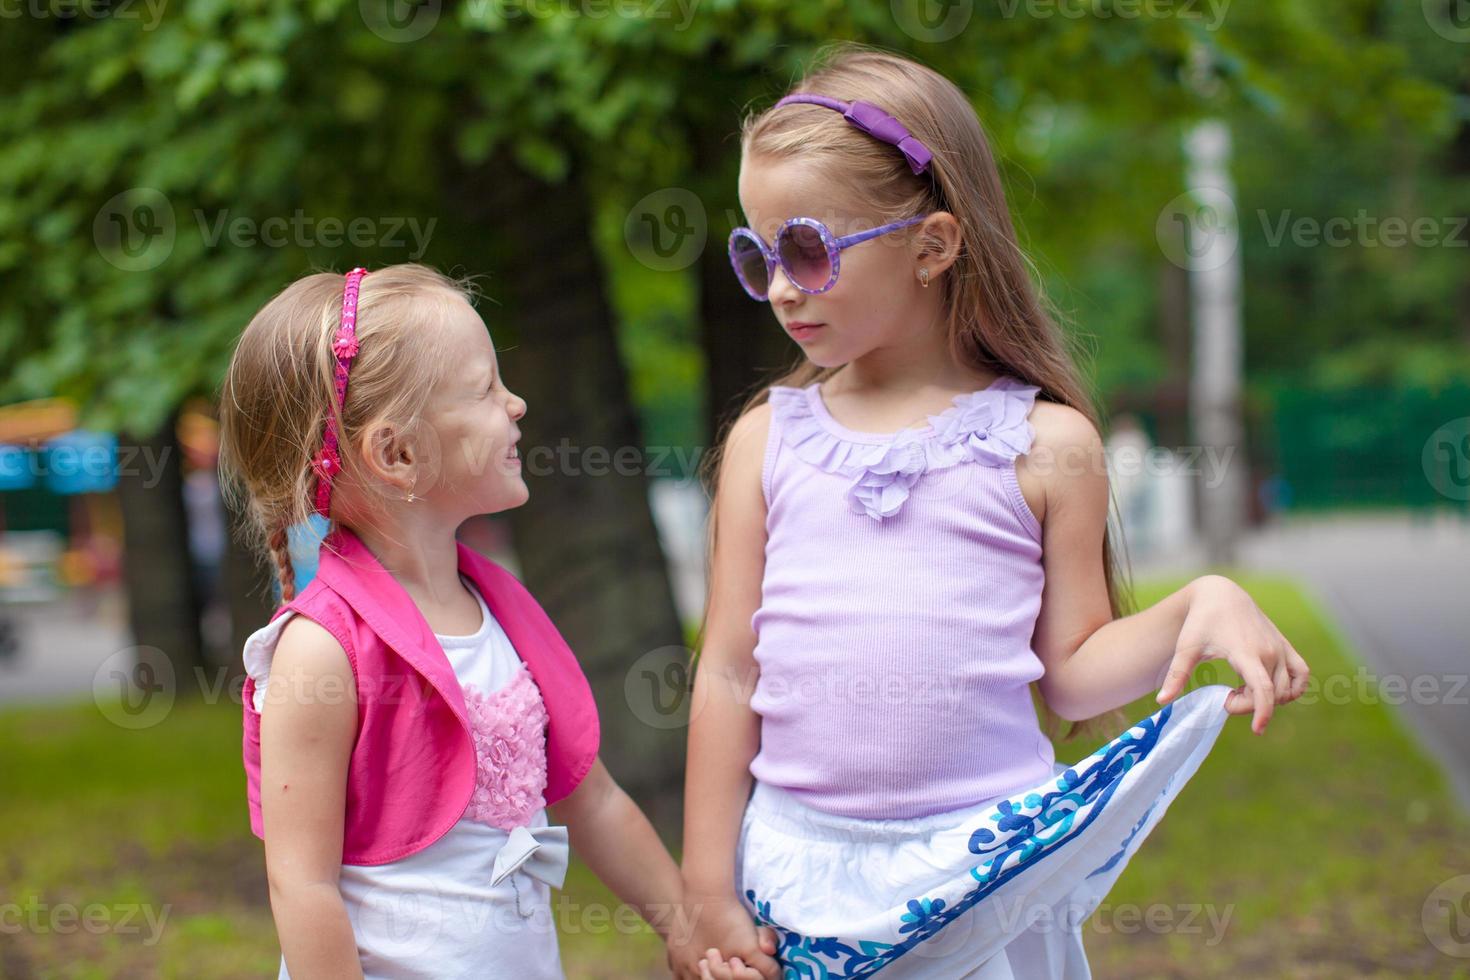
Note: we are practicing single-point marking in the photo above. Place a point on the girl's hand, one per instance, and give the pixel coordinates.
(722, 927)
(714, 967)
(1224, 622)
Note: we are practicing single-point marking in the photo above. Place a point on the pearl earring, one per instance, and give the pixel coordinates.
(924, 278)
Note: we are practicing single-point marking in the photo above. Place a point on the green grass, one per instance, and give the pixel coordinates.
(1320, 841)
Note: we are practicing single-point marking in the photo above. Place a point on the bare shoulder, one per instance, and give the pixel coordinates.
(745, 447)
(751, 429)
(1062, 428)
(307, 645)
(1067, 450)
(310, 670)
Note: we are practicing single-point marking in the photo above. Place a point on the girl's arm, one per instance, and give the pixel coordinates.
(1095, 663)
(613, 837)
(307, 727)
(724, 732)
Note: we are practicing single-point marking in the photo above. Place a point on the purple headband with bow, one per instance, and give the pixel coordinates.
(875, 122)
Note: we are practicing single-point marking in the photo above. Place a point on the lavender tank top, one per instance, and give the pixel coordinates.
(902, 584)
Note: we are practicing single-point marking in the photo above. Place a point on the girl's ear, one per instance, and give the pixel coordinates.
(937, 242)
(389, 456)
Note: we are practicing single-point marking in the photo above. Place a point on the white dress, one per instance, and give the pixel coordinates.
(995, 891)
(435, 914)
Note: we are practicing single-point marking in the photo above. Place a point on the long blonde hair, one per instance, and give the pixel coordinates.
(280, 391)
(998, 319)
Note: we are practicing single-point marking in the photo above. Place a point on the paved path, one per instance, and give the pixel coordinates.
(1399, 588)
(60, 645)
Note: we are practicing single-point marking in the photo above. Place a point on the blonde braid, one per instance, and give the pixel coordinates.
(280, 549)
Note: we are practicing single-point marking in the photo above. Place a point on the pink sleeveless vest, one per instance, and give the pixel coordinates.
(412, 770)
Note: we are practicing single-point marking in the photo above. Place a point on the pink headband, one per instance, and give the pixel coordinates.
(328, 462)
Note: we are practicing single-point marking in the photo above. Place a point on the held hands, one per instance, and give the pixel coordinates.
(1224, 622)
(723, 944)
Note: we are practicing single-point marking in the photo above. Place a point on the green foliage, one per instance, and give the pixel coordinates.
(225, 113)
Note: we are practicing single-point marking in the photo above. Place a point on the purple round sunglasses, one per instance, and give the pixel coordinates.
(806, 250)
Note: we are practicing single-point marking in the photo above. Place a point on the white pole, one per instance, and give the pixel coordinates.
(1218, 350)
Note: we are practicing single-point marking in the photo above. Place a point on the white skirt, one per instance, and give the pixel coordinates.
(994, 891)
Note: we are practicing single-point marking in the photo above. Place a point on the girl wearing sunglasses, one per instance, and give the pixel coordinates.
(868, 774)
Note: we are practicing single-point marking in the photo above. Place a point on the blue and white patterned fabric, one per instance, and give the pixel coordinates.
(997, 890)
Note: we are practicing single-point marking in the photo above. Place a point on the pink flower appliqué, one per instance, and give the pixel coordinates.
(345, 345)
(509, 728)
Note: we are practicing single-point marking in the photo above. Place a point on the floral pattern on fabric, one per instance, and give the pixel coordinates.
(509, 729)
(1015, 835)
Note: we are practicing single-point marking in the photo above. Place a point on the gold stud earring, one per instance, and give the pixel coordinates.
(924, 278)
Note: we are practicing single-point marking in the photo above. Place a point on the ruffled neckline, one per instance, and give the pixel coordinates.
(963, 401)
(989, 426)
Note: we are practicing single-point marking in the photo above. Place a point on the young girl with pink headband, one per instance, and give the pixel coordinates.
(910, 542)
(413, 719)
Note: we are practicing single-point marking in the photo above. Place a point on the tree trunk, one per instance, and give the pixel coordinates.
(163, 606)
(586, 541)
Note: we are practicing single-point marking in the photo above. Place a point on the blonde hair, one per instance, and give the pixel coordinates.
(998, 319)
(280, 391)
